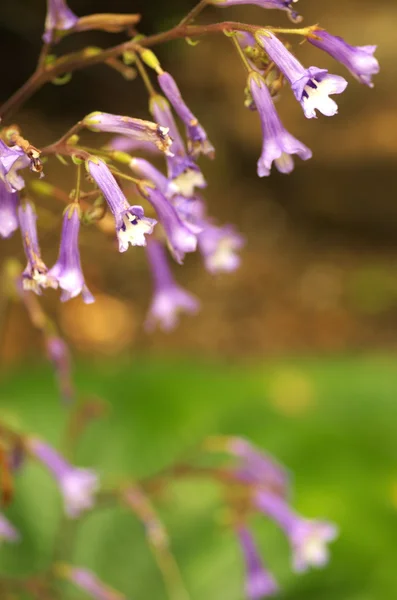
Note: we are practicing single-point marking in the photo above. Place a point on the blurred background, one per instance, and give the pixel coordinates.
(295, 350)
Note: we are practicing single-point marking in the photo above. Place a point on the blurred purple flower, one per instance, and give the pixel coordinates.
(143, 168)
(308, 538)
(169, 298)
(311, 86)
(131, 223)
(8, 533)
(359, 60)
(218, 246)
(259, 582)
(67, 270)
(89, 582)
(270, 4)
(59, 18)
(123, 143)
(8, 211)
(12, 159)
(78, 486)
(59, 354)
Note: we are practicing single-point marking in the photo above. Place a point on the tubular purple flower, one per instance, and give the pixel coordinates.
(169, 298)
(191, 212)
(359, 60)
(59, 355)
(122, 143)
(198, 142)
(269, 4)
(89, 582)
(78, 486)
(311, 86)
(35, 275)
(137, 129)
(278, 144)
(8, 211)
(8, 533)
(308, 538)
(145, 170)
(182, 170)
(67, 270)
(59, 18)
(259, 582)
(12, 159)
(218, 246)
(131, 223)
(180, 239)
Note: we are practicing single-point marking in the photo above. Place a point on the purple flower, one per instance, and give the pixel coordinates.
(59, 18)
(169, 298)
(278, 144)
(8, 211)
(311, 86)
(8, 533)
(123, 143)
(360, 60)
(67, 270)
(218, 246)
(131, 223)
(191, 212)
(59, 355)
(12, 159)
(35, 275)
(198, 141)
(137, 129)
(180, 238)
(144, 169)
(259, 582)
(258, 467)
(308, 538)
(78, 486)
(89, 582)
(182, 169)
(278, 4)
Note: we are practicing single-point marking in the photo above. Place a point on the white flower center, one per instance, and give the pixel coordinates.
(316, 96)
(133, 231)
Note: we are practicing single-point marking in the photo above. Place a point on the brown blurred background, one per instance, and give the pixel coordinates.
(319, 270)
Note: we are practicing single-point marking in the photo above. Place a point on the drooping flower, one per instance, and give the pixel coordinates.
(35, 275)
(311, 87)
(218, 246)
(12, 159)
(8, 211)
(198, 141)
(259, 582)
(191, 212)
(59, 18)
(359, 60)
(137, 129)
(144, 169)
(59, 355)
(169, 298)
(180, 239)
(67, 270)
(182, 169)
(278, 144)
(8, 533)
(89, 582)
(308, 538)
(78, 486)
(277, 4)
(131, 223)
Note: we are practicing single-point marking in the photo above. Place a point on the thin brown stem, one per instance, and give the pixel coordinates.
(194, 13)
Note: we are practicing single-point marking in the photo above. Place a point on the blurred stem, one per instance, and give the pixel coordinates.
(240, 52)
(194, 13)
(144, 76)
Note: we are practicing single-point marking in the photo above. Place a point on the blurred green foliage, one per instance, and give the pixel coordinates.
(332, 422)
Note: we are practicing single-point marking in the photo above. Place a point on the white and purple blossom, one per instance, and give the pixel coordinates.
(259, 582)
(308, 538)
(198, 142)
(179, 237)
(169, 299)
(137, 129)
(182, 170)
(36, 274)
(269, 4)
(311, 87)
(8, 211)
(78, 486)
(219, 247)
(89, 582)
(8, 533)
(59, 18)
(359, 60)
(145, 170)
(67, 270)
(278, 144)
(12, 159)
(131, 224)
